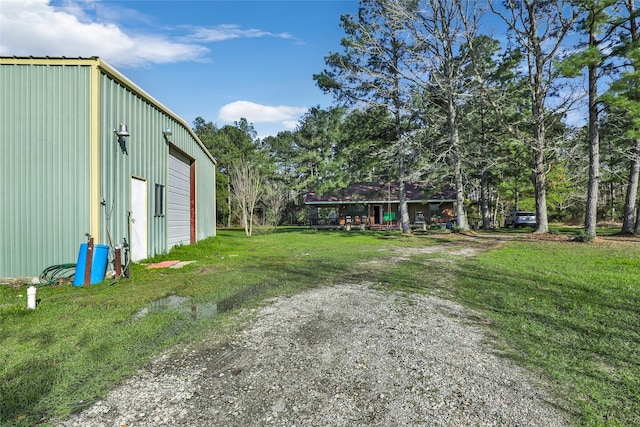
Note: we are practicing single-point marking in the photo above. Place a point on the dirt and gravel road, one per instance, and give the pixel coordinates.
(348, 354)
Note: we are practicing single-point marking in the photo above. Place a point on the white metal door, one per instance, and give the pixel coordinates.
(178, 200)
(138, 219)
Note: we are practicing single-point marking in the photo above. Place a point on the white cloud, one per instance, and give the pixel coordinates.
(290, 124)
(87, 28)
(229, 32)
(34, 28)
(286, 116)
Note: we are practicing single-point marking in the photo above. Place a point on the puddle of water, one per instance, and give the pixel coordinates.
(200, 310)
(171, 302)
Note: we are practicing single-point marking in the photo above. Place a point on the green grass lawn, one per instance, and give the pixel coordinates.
(571, 312)
(567, 311)
(81, 341)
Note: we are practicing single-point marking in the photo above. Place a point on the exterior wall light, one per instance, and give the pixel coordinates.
(166, 133)
(122, 132)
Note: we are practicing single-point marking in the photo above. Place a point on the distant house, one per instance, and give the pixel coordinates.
(85, 150)
(375, 206)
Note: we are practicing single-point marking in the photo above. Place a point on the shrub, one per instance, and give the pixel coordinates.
(583, 237)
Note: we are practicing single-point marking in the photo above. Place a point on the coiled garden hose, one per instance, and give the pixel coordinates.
(57, 274)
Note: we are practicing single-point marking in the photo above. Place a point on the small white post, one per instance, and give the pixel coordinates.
(31, 297)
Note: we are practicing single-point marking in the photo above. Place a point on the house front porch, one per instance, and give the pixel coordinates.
(378, 216)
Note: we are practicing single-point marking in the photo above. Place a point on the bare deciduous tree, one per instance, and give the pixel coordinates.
(440, 30)
(275, 202)
(539, 29)
(247, 189)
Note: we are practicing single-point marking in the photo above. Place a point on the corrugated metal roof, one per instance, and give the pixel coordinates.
(383, 192)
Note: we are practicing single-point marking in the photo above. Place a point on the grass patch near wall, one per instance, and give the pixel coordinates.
(82, 341)
(570, 311)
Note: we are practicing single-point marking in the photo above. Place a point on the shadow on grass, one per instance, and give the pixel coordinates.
(21, 396)
(577, 334)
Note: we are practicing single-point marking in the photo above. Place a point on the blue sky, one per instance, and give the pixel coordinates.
(217, 59)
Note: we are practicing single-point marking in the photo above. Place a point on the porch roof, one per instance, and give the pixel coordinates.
(383, 192)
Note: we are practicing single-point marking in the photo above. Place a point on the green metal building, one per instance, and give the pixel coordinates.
(85, 150)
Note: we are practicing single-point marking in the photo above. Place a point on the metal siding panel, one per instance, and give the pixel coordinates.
(115, 166)
(44, 140)
(178, 200)
(45, 171)
(146, 158)
(205, 197)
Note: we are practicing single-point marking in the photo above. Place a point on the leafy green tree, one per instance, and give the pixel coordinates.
(371, 72)
(307, 157)
(595, 24)
(565, 194)
(515, 184)
(539, 29)
(315, 143)
(229, 144)
(489, 146)
(440, 30)
(207, 133)
(623, 100)
(274, 199)
(363, 152)
(282, 152)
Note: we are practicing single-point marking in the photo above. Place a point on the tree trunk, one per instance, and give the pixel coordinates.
(404, 211)
(461, 220)
(494, 214)
(484, 179)
(632, 189)
(484, 199)
(540, 184)
(591, 214)
(632, 192)
(539, 145)
(612, 194)
(229, 203)
(403, 208)
(516, 193)
(636, 229)
(454, 138)
(245, 222)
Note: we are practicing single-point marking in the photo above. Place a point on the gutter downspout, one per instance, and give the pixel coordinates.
(94, 151)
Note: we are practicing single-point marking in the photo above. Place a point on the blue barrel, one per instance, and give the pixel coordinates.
(98, 264)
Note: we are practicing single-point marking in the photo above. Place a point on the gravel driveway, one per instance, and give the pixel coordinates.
(343, 355)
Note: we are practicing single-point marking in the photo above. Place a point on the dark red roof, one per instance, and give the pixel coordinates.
(383, 191)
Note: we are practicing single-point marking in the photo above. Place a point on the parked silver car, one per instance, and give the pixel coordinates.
(520, 219)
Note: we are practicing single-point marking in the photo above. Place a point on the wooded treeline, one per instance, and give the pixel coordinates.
(522, 105)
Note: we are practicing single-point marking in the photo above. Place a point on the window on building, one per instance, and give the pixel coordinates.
(159, 200)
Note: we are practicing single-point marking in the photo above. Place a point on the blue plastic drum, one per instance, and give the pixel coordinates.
(98, 264)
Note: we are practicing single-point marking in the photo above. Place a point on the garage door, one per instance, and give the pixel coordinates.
(179, 198)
